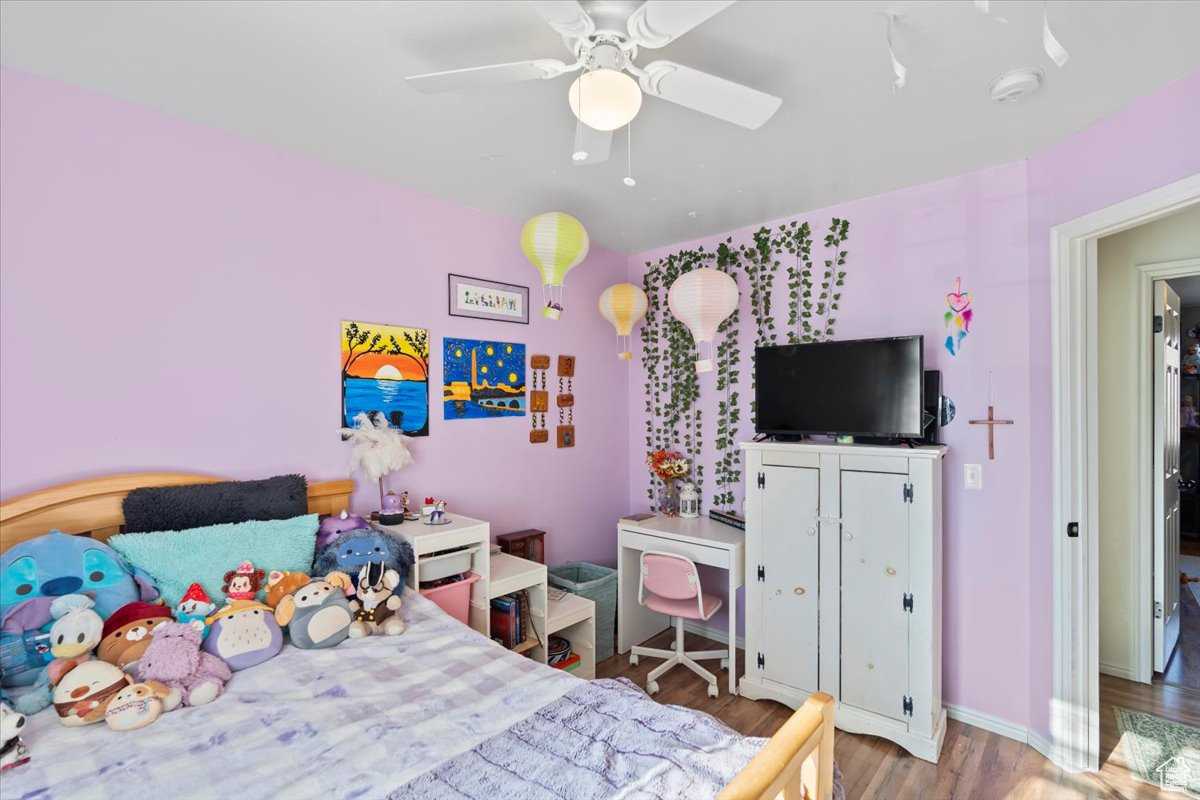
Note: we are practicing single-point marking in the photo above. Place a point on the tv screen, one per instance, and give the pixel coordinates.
(864, 387)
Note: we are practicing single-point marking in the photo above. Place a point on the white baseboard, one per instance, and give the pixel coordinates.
(987, 722)
(1119, 672)
(1042, 745)
(716, 634)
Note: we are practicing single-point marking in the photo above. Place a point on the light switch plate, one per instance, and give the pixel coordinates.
(973, 476)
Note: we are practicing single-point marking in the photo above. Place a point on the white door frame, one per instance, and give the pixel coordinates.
(1143, 466)
(1075, 709)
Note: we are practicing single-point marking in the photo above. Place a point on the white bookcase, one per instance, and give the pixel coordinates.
(511, 574)
(574, 619)
(843, 585)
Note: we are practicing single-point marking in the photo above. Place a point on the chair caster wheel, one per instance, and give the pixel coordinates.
(652, 688)
(725, 663)
(633, 660)
(713, 691)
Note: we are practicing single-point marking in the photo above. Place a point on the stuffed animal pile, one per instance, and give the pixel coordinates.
(151, 659)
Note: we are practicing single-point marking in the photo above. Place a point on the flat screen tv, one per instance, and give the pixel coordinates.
(863, 387)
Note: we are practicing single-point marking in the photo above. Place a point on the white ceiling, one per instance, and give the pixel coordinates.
(326, 79)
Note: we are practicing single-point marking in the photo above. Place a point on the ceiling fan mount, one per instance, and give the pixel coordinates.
(607, 35)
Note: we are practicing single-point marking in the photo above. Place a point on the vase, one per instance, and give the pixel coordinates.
(668, 499)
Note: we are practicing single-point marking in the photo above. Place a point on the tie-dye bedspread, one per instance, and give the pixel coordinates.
(392, 716)
(603, 739)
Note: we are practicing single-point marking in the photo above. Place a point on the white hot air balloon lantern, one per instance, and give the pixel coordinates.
(623, 305)
(701, 300)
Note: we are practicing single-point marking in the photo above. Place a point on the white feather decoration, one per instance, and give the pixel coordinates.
(378, 448)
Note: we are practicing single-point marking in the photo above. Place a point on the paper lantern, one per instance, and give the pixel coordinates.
(623, 305)
(554, 242)
(701, 300)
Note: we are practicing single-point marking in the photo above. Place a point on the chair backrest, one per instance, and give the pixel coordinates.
(670, 576)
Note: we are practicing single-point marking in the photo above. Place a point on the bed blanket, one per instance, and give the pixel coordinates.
(603, 739)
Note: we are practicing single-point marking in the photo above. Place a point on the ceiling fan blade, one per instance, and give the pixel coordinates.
(473, 77)
(565, 16)
(708, 94)
(596, 144)
(657, 23)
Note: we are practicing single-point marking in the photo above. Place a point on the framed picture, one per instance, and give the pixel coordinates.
(475, 297)
(482, 379)
(385, 369)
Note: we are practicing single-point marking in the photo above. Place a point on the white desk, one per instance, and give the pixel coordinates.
(703, 541)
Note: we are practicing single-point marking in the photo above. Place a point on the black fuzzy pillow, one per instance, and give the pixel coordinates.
(177, 508)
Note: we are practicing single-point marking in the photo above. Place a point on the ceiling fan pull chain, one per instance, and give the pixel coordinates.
(1058, 54)
(897, 67)
(580, 154)
(629, 181)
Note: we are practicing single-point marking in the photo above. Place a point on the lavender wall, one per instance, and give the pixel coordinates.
(993, 228)
(1150, 143)
(170, 298)
(906, 250)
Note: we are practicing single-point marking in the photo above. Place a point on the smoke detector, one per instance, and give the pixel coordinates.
(1015, 85)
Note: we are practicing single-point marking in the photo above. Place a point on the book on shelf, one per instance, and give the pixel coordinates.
(504, 621)
(570, 664)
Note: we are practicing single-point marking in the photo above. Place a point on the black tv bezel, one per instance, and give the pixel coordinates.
(880, 434)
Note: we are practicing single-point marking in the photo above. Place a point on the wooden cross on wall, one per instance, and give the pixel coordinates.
(991, 421)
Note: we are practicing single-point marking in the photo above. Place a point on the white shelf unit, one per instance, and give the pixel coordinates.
(461, 531)
(574, 619)
(510, 575)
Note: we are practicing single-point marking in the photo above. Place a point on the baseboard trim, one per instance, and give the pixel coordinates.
(1042, 745)
(987, 722)
(716, 634)
(1119, 672)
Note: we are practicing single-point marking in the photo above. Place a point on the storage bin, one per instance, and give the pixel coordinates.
(436, 566)
(598, 584)
(454, 598)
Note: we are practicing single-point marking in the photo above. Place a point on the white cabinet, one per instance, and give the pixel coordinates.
(843, 590)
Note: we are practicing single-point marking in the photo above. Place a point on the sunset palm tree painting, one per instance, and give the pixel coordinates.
(385, 369)
(483, 379)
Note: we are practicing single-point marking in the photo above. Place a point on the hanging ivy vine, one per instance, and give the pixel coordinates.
(672, 405)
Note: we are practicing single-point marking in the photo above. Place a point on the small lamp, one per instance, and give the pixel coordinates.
(689, 501)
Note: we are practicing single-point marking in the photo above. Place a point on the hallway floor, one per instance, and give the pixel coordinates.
(1184, 667)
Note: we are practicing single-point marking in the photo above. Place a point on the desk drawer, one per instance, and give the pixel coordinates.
(701, 554)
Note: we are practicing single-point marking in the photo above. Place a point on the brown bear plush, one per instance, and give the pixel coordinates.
(127, 633)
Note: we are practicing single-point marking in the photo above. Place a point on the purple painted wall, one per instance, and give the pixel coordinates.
(170, 299)
(906, 250)
(993, 228)
(1150, 143)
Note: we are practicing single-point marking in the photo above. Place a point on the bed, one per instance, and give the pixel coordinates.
(438, 711)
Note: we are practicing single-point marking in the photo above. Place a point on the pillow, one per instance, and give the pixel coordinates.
(177, 559)
(167, 508)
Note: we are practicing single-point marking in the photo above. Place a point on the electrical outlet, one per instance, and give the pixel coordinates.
(973, 476)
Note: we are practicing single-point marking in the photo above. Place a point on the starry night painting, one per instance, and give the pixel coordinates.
(483, 379)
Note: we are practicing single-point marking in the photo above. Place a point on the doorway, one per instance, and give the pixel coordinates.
(1076, 717)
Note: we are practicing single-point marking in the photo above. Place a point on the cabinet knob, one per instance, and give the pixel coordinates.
(890, 571)
(847, 535)
(799, 590)
(812, 531)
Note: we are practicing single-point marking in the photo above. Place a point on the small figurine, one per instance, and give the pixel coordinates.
(1187, 413)
(439, 513)
(404, 501)
(1191, 360)
(195, 608)
(391, 511)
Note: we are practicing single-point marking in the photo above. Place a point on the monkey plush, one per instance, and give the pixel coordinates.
(317, 614)
(375, 603)
(243, 583)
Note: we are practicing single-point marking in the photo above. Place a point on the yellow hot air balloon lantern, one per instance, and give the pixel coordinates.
(554, 242)
(623, 305)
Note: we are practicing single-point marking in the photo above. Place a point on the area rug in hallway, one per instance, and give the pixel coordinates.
(1161, 752)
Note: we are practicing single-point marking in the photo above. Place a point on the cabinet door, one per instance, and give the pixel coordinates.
(875, 579)
(789, 576)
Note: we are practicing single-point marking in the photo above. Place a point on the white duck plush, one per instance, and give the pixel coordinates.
(73, 636)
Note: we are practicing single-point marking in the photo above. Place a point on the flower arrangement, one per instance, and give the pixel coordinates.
(668, 465)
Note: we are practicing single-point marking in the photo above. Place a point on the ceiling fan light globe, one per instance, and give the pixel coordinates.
(610, 99)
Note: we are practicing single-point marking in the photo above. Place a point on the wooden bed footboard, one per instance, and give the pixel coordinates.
(797, 762)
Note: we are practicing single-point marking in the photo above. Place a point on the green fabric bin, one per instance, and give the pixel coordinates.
(598, 584)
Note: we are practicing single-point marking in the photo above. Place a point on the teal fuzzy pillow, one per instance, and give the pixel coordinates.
(177, 559)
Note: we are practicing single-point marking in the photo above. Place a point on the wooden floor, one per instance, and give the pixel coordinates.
(975, 764)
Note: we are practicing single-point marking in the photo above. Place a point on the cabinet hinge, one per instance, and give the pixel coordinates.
(907, 602)
(762, 662)
(762, 572)
(908, 492)
(1157, 610)
(1158, 323)
(907, 706)
(762, 480)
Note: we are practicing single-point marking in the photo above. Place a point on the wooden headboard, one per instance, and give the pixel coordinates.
(93, 505)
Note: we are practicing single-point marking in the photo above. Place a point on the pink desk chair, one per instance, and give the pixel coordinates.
(670, 585)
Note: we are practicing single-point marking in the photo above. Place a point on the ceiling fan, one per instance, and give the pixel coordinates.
(604, 36)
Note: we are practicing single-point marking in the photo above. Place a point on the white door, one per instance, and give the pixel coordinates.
(875, 585)
(1166, 475)
(789, 571)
